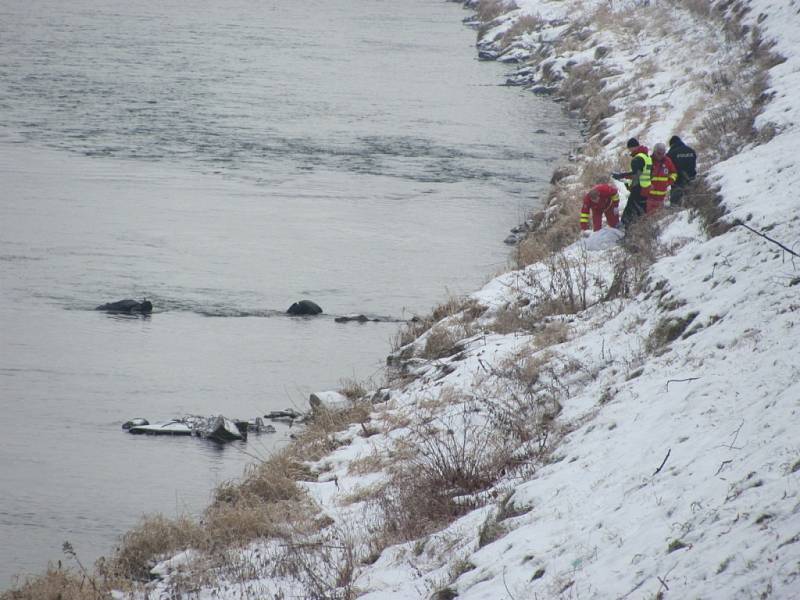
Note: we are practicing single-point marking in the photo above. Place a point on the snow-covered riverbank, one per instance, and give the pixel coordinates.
(604, 422)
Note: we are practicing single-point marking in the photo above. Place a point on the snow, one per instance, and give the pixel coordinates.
(676, 468)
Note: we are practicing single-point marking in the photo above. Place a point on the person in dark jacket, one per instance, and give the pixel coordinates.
(637, 181)
(685, 160)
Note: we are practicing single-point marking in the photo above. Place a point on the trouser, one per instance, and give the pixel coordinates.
(678, 192)
(654, 204)
(597, 217)
(634, 208)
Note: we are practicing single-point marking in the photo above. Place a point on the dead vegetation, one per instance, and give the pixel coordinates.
(467, 310)
(640, 248)
(488, 10)
(450, 458)
(59, 584)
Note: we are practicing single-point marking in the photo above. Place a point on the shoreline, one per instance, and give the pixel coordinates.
(588, 423)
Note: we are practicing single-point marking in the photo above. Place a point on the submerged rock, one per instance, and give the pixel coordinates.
(357, 318)
(328, 400)
(304, 307)
(128, 306)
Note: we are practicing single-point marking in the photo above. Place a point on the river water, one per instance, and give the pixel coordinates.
(225, 159)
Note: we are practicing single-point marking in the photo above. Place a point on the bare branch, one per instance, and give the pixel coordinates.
(680, 380)
(769, 239)
(663, 462)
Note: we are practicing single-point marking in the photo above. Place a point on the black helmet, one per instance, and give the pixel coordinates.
(633, 143)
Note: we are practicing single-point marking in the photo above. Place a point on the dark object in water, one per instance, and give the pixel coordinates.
(304, 307)
(357, 318)
(128, 306)
(217, 428)
(287, 416)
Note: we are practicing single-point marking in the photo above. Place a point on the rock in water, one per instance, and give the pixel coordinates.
(329, 400)
(304, 307)
(127, 306)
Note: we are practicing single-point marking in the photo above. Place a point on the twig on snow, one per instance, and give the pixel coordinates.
(505, 585)
(769, 239)
(636, 587)
(663, 462)
(680, 380)
(735, 437)
(722, 466)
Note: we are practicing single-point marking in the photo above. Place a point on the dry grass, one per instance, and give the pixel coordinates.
(511, 319)
(639, 249)
(553, 332)
(568, 286)
(451, 452)
(443, 341)
(370, 463)
(58, 584)
(468, 309)
(585, 90)
(324, 564)
(362, 494)
(524, 24)
(558, 229)
(445, 462)
(668, 330)
(156, 536)
(706, 204)
(522, 398)
(317, 438)
(489, 10)
(353, 389)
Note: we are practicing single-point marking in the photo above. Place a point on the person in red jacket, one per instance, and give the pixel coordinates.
(601, 199)
(662, 176)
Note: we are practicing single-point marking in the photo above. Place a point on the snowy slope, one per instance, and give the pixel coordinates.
(673, 466)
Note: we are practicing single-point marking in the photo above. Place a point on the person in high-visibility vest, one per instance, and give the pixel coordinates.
(601, 200)
(637, 181)
(663, 175)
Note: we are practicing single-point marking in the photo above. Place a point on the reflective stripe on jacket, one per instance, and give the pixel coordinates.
(607, 199)
(663, 175)
(644, 176)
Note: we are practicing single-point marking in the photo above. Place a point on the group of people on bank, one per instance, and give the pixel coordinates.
(651, 180)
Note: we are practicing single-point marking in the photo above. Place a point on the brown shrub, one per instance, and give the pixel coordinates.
(639, 249)
(705, 202)
(563, 284)
(524, 24)
(231, 525)
(488, 10)
(559, 229)
(728, 127)
(554, 332)
(323, 563)
(511, 319)
(442, 341)
(522, 398)
(57, 584)
(668, 330)
(353, 388)
(585, 90)
(468, 308)
(446, 460)
(154, 537)
(271, 481)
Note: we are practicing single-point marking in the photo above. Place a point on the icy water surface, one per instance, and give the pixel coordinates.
(225, 159)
